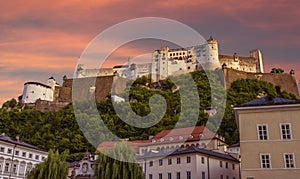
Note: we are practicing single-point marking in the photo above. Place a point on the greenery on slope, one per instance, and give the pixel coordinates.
(59, 130)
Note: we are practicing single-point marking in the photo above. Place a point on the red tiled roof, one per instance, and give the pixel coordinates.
(188, 134)
(169, 136)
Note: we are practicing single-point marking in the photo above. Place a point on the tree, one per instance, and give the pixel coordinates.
(115, 169)
(55, 166)
(277, 70)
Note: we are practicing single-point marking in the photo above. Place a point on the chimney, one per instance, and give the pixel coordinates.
(18, 138)
(3, 134)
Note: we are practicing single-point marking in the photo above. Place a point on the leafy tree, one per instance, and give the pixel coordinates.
(277, 70)
(116, 169)
(55, 166)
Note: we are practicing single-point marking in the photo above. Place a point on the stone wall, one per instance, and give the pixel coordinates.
(99, 86)
(285, 81)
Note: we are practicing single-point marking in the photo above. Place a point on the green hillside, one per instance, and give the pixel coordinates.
(59, 130)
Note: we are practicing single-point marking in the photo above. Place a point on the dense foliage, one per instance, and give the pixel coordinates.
(60, 130)
(113, 168)
(55, 166)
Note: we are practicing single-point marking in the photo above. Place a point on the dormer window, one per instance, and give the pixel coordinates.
(180, 138)
(171, 138)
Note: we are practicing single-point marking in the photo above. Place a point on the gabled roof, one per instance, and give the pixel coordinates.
(190, 150)
(19, 143)
(269, 100)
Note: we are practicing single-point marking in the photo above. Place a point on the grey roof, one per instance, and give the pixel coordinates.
(189, 150)
(18, 142)
(269, 100)
(234, 145)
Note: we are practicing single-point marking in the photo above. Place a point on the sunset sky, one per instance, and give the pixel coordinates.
(39, 39)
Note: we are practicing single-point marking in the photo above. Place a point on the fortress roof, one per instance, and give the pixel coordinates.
(37, 83)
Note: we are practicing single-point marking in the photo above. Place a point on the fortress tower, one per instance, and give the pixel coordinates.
(258, 56)
(213, 53)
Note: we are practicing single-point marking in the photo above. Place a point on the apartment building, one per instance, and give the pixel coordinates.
(190, 163)
(269, 138)
(17, 157)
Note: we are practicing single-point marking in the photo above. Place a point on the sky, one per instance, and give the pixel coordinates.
(40, 39)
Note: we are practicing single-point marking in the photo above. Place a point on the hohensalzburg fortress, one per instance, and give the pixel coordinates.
(169, 62)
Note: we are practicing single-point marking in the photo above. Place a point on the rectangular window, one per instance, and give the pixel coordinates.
(227, 177)
(262, 130)
(289, 160)
(17, 152)
(203, 175)
(188, 159)
(150, 163)
(37, 157)
(160, 162)
(169, 176)
(265, 160)
(14, 168)
(233, 166)
(160, 176)
(178, 175)
(226, 164)
(178, 160)
(150, 176)
(9, 151)
(286, 131)
(2, 149)
(188, 175)
(30, 155)
(23, 154)
(221, 164)
(202, 160)
(6, 169)
(169, 161)
(221, 177)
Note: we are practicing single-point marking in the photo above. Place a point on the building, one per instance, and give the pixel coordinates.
(169, 140)
(35, 90)
(269, 138)
(193, 152)
(84, 169)
(234, 150)
(190, 163)
(167, 62)
(17, 157)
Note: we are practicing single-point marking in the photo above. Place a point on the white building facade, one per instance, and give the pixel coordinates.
(17, 158)
(34, 90)
(190, 163)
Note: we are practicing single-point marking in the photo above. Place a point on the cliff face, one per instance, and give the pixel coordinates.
(285, 81)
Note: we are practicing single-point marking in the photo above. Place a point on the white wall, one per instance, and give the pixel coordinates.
(32, 92)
